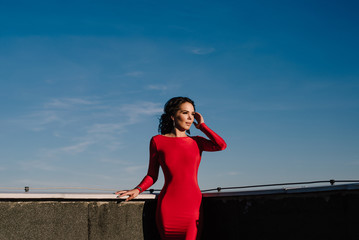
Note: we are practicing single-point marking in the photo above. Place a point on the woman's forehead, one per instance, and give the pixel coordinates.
(186, 106)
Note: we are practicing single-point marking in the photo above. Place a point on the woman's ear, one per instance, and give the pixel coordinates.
(173, 118)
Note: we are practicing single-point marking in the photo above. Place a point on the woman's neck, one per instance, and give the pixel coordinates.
(176, 133)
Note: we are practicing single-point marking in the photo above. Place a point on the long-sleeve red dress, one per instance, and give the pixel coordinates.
(179, 202)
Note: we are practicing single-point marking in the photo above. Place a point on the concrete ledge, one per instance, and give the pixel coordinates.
(70, 196)
(144, 196)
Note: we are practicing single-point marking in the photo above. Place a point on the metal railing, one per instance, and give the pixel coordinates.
(331, 182)
(218, 189)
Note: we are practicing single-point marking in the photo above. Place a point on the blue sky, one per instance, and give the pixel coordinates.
(84, 82)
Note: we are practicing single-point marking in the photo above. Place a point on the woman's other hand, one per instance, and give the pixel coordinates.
(199, 119)
(130, 193)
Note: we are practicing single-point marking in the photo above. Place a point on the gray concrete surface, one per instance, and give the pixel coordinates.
(37, 220)
(43, 220)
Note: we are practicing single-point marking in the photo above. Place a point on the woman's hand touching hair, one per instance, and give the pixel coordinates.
(130, 193)
(199, 119)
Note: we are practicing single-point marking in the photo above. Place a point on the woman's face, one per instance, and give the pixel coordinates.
(184, 117)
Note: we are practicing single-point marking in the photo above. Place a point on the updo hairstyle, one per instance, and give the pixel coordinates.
(171, 107)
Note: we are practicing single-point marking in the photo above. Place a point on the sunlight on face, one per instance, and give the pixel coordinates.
(184, 116)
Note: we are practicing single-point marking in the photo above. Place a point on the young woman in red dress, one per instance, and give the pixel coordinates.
(179, 156)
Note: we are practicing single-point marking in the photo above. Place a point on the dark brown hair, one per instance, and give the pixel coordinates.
(170, 108)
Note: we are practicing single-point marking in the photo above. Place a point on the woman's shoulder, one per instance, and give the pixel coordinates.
(197, 138)
(155, 137)
(158, 138)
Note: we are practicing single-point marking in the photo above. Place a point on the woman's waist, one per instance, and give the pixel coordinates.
(178, 195)
(181, 183)
(181, 188)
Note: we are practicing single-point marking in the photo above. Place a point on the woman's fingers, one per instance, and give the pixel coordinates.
(131, 194)
(198, 118)
(124, 194)
(120, 192)
(197, 115)
(130, 198)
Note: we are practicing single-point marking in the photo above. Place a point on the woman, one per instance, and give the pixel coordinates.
(179, 156)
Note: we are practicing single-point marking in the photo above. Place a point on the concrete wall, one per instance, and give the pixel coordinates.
(36, 220)
(317, 214)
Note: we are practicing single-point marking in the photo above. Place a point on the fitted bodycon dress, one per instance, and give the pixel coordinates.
(179, 202)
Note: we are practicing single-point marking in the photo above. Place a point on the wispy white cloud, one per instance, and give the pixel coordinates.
(101, 128)
(162, 87)
(68, 103)
(82, 128)
(134, 74)
(141, 108)
(200, 50)
(80, 133)
(135, 111)
(77, 147)
(157, 87)
(60, 111)
(37, 121)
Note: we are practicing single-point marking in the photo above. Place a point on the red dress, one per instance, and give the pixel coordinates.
(177, 213)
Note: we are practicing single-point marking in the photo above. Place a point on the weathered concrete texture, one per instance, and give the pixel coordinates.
(71, 220)
(111, 220)
(43, 220)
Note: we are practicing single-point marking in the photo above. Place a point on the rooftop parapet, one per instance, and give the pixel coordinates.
(321, 212)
